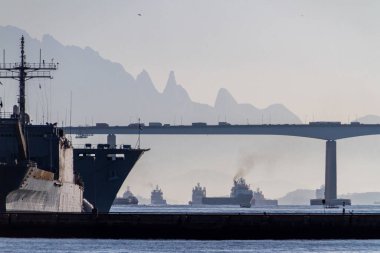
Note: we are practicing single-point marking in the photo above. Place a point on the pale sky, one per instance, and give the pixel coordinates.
(319, 58)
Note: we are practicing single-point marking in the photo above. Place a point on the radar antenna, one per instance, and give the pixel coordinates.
(24, 71)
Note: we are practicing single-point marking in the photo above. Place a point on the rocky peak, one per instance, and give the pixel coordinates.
(224, 99)
(175, 90)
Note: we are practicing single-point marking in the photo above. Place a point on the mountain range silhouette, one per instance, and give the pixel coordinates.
(104, 91)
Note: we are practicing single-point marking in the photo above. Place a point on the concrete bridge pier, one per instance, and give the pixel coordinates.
(330, 179)
(330, 171)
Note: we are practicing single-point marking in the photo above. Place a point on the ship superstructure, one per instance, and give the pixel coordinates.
(157, 197)
(199, 193)
(240, 188)
(320, 192)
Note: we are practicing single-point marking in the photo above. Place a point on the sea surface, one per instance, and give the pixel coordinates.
(237, 209)
(174, 246)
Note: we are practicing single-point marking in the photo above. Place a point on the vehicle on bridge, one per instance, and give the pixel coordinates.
(325, 123)
(198, 124)
(101, 125)
(155, 124)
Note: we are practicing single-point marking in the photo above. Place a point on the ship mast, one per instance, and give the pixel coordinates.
(24, 71)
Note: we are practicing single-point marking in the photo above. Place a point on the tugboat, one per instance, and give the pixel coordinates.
(156, 197)
(241, 195)
(198, 194)
(127, 199)
(103, 169)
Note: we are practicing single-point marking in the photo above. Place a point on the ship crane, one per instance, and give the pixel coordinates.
(24, 71)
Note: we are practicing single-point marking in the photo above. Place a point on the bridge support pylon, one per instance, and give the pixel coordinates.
(330, 179)
(330, 171)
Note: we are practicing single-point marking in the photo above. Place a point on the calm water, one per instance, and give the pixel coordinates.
(91, 245)
(70, 245)
(234, 209)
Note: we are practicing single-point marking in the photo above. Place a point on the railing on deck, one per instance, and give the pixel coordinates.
(41, 65)
(100, 146)
(6, 115)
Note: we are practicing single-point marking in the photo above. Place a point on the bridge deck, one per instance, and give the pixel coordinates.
(324, 132)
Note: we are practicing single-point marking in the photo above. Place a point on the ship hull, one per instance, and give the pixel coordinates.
(239, 201)
(125, 201)
(11, 177)
(103, 172)
(265, 202)
(39, 192)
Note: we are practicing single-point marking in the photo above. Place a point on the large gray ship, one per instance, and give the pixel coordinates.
(241, 195)
(157, 197)
(198, 194)
(103, 169)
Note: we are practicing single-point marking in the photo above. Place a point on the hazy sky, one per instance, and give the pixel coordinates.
(319, 58)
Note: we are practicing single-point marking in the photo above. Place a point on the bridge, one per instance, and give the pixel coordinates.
(328, 131)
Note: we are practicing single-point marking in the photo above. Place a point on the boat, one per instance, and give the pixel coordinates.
(127, 199)
(240, 195)
(156, 197)
(199, 193)
(81, 136)
(102, 168)
(259, 199)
